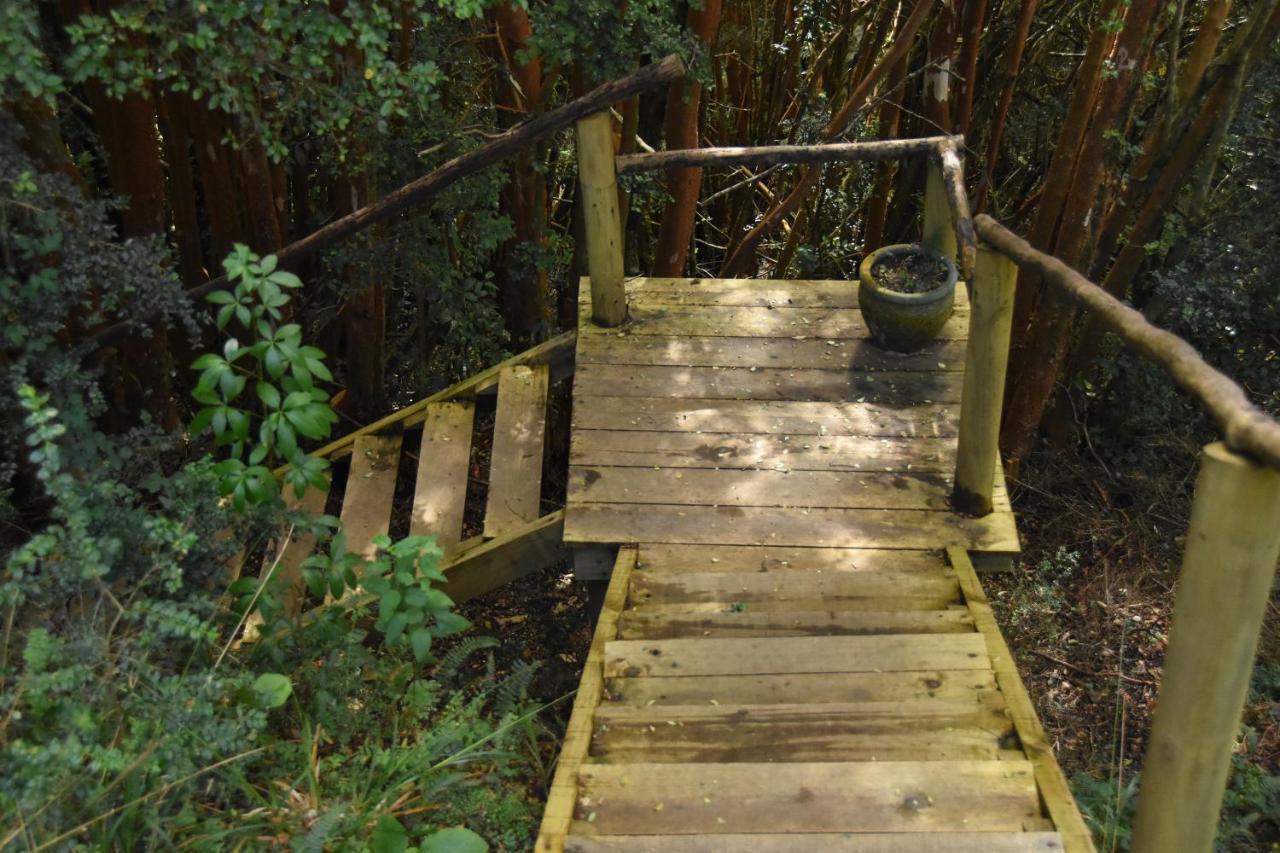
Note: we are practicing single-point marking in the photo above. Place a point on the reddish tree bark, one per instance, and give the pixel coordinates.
(1025, 16)
(517, 93)
(744, 253)
(683, 185)
(1046, 344)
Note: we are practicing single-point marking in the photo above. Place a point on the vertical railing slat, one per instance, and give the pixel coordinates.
(986, 359)
(596, 171)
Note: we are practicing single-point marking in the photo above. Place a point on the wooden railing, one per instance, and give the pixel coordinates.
(1233, 541)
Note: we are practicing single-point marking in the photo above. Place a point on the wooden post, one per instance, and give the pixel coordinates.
(986, 358)
(939, 230)
(600, 216)
(1228, 566)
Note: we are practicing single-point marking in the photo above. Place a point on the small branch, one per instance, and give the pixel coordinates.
(1091, 674)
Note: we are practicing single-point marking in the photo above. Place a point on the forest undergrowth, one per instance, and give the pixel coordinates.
(1086, 611)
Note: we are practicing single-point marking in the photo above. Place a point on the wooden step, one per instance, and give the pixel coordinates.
(895, 389)
(808, 842)
(736, 321)
(789, 417)
(879, 796)
(969, 686)
(292, 552)
(930, 730)
(840, 528)
(719, 591)
(444, 461)
(519, 438)
(790, 487)
(712, 351)
(371, 487)
(748, 622)
(659, 558)
(770, 655)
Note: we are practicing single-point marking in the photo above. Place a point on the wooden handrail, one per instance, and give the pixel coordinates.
(1245, 428)
(772, 155)
(415, 192)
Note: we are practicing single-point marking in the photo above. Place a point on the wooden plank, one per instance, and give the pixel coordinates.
(772, 591)
(785, 417)
(736, 487)
(810, 688)
(479, 565)
(444, 462)
(796, 293)
(840, 528)
(892, 388)
(557, 354)
(882, 731)
(289, 557)
(1054, 790)
(562, 798)
(519, 439)
(735, 322)
(880, 796)
(751, 656)
(749, 622)
(807, 842)
(781, 453)
(657, 557)
(711, 351)
(371, 486)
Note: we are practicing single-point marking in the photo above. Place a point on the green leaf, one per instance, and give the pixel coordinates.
(390, 602)
(221, 297)
(269, 395)
(448, 623)
(389, 836)
(420, 641)
(457, 839)
(395, 627)
(272, 689)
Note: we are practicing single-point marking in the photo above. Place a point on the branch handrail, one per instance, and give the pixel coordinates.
(1246, 429)
(770, 155)
(501, 147)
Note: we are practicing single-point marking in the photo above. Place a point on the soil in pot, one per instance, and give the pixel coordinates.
(913, 272)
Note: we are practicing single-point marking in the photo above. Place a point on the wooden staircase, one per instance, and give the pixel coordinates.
(418, 463)
(803, 699)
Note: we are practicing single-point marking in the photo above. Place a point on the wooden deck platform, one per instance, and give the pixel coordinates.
(794, 653)
(749, 412)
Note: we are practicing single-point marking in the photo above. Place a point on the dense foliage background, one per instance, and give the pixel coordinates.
(144, 143)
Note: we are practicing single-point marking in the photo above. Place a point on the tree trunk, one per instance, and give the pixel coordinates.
(522, 283)
(1046, 344)
(682, 132)
(743, 255)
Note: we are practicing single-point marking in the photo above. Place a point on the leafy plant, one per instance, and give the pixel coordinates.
(283, 372)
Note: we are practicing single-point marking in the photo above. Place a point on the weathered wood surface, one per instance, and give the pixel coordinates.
(519, 439)
(863, 842)
(782, 322)
(793, 657)
(785, 417)
(444, 462)
(839, 528)
(770, 155)
(371, 487)
(727, 351)
(880, 796)
(775, 378)
(562, 800)
(889, 388)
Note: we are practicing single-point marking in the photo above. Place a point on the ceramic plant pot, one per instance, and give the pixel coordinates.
(904, 322)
